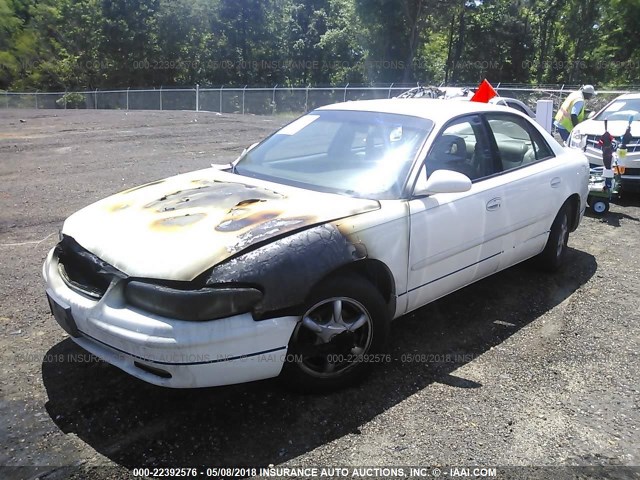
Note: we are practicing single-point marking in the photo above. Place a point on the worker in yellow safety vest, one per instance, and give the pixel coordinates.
(571, 112)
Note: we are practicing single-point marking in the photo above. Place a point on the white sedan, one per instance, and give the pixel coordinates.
(293, 260)
(621, 114)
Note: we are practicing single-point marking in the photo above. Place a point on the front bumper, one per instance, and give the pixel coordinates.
(630, 183)
(167, 352)
(629, 166)
(630, 180)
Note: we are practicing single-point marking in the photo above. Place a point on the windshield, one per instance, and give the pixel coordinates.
(361, 154)
(621, 109)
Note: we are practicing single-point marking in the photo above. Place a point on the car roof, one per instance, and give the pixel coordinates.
(438, 111)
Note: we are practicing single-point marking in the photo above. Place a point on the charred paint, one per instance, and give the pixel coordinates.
(198, 220)
(272, 228)
(84, 271)
(249, 219)
(250, 201)
(287, 269)
(212, 193)
(360, 250)
(178, 221)
(355, 240)
(116, 207)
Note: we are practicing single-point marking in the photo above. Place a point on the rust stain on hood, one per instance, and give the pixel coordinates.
(177, 228)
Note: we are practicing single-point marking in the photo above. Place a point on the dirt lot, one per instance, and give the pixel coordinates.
(523, 368)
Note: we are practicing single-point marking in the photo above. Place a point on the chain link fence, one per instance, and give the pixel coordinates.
(260, 101)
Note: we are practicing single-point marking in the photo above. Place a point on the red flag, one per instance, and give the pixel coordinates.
(484, 93)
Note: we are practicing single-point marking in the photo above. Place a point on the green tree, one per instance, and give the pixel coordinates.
(574, 47)
(128, 44)
(183, 30)
(498, 44)
(388, 38)
(617, 55)
(68, 44)
(10, 28)
(249, 34)
(344, 43)
(307, 24)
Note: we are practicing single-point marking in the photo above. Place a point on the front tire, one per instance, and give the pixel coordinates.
(346, 321)
(552, 257)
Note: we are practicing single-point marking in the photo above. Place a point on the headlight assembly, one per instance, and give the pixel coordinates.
(578, 140)
(196, 305)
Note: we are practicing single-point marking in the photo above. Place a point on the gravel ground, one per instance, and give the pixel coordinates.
(520, 369)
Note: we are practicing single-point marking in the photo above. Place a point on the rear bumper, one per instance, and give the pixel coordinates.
(168, 352)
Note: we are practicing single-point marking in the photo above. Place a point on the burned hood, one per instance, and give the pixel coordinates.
(175, 229)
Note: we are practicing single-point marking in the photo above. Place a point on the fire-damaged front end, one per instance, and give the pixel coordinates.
(200, 280)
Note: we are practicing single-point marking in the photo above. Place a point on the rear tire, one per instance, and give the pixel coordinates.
(346, 322)
(552, 257)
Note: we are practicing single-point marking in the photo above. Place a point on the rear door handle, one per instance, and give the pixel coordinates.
(494, 204)
(555, 182)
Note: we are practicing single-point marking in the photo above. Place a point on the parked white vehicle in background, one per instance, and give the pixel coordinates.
(515, 104)
(618, 114)
(293, 260)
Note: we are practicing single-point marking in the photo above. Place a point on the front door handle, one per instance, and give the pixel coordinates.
(555, 182)
(494, 204)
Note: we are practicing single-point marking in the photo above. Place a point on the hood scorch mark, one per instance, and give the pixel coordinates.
(178, 221)
(213, 194)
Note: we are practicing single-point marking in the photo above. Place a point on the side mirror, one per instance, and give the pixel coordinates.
(592, 114)
(443, 181)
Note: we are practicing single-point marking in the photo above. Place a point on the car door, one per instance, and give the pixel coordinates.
(530, 182)
(455, 238)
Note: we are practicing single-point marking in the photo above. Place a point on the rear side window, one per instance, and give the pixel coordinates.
(519, 144)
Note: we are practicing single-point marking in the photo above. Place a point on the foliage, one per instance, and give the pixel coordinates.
(71, 100)
(67, 44)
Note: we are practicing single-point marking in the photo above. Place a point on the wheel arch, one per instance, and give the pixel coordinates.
(288, 269)
(376, 272)
(573, 202)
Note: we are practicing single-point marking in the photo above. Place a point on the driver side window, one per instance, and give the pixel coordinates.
(462, 147)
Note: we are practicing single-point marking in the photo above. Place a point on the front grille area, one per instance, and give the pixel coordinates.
(82, 271)
(632, 147)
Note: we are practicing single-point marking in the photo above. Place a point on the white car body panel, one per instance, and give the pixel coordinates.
(445, 254)
(385, 233)
(510, 221)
